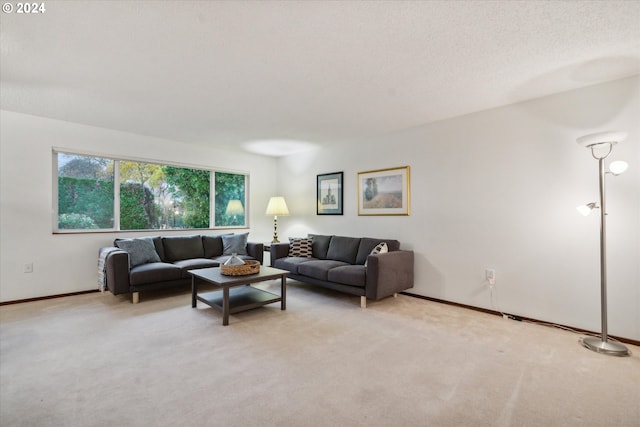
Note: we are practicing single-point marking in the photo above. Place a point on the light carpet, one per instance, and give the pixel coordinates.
(98, 360)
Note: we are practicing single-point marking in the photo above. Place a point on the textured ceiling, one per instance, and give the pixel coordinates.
(226, 73)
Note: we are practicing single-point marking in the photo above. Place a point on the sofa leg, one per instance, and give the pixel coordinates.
(363, 302)
(136, 297)
(395, 295)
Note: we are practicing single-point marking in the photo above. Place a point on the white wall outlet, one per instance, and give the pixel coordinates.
(28, 267)
(490, 275)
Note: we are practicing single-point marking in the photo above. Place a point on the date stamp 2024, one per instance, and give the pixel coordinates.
(24, 8)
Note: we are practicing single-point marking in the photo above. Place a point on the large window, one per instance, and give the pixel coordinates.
(97, 193)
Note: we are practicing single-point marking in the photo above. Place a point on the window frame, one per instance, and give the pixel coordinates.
(116, 192)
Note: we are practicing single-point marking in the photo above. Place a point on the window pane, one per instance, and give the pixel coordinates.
(138, 198)
(162, 197)
(230, 199)
(85, 192)
(188, 191)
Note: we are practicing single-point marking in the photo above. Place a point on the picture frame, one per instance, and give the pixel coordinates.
(329, 193)
(384, 191)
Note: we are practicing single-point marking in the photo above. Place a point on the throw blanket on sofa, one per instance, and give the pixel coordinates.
(102, 267)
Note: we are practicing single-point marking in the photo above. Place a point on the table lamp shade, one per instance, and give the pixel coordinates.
(277, 207)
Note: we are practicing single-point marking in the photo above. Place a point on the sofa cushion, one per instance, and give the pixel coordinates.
(319, 269)
(353, 275)
(367, 244)
(291, 263)
(300, 247)
(195, 263)
(154, 272)
(182, 247)
(343, 249)
(212, 246)
(319, 245)
(141, 250)
(234, 244)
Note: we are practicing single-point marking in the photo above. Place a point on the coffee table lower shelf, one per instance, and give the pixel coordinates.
(240, 299)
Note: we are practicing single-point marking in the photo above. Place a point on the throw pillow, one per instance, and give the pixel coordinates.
(300, 247)
(141, 251)
(234, 244)
(381, 248)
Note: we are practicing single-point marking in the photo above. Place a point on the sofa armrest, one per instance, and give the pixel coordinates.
(256, 250)
(117, 269)
(389, 273)
(278, 250)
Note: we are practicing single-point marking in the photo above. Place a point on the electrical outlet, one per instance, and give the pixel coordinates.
(28, 267)
(490, 275)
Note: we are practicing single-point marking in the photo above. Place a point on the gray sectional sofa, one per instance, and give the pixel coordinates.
(347, 264)
(150, 263)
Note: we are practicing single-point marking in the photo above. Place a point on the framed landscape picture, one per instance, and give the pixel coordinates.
(329, 192)
(384, 192)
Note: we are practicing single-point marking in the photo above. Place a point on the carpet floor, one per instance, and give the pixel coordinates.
(98, 360)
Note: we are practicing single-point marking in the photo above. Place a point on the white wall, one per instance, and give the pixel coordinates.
(499, 189)
(68, 263)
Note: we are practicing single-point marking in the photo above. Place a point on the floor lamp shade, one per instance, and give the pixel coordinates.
(276, 207)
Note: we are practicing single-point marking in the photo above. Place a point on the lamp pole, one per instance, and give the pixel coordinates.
(603, 251)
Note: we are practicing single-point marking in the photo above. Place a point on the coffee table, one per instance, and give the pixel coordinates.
(237, 294)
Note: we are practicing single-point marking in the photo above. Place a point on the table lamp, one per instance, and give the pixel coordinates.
(277, 206)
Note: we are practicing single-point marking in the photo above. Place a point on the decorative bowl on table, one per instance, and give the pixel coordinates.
(249, 267)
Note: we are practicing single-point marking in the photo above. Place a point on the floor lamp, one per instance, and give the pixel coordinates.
(601, 145)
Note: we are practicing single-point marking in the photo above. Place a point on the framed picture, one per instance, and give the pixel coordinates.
(330, 194)
(384, 192)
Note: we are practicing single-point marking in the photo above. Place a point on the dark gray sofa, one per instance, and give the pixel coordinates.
(346, 264)
(151, 263)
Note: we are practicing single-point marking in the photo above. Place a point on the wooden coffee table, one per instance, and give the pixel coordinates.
(237, 294)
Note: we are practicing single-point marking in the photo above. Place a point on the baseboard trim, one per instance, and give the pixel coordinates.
(20, 301)
(521, 318)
